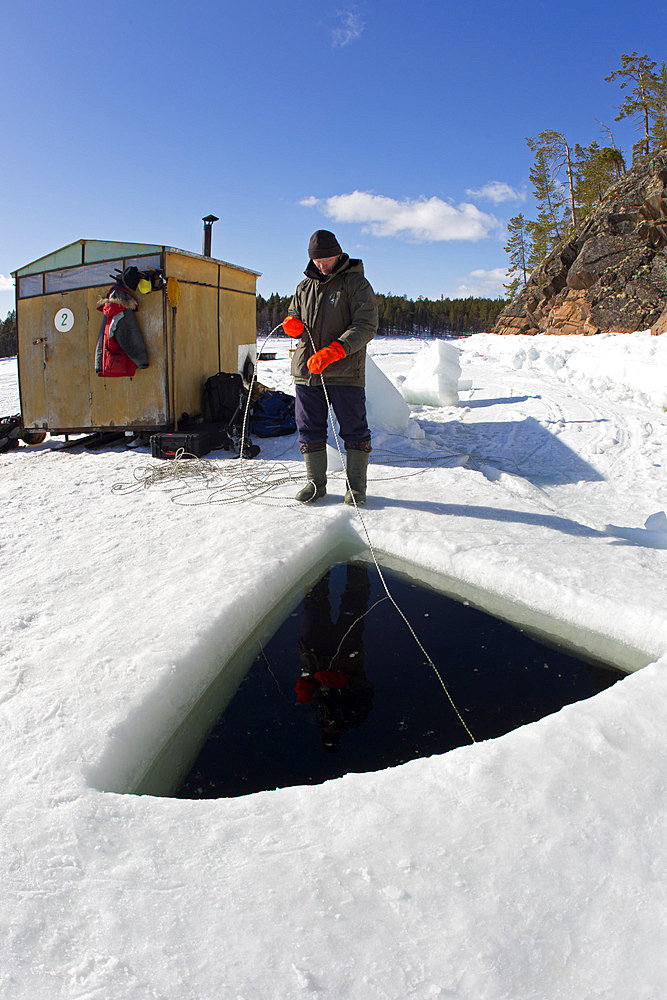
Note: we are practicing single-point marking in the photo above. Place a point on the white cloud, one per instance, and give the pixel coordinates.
(488, 284)
(348, 29)
(497, 192)
(6, 284)
(421, 219)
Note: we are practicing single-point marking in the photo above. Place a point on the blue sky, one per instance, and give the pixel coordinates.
(399, 125)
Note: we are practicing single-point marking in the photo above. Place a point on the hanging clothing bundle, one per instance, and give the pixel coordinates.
(120, 344)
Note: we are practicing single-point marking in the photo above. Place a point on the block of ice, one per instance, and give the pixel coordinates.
(652, 535)
(385, 406)
(657, 521)
(434, 378)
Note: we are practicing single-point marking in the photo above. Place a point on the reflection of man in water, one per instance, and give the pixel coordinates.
(333, 677)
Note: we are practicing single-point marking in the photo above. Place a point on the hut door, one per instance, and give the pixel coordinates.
(65, 363)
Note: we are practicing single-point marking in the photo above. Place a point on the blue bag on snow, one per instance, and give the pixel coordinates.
(273, 414)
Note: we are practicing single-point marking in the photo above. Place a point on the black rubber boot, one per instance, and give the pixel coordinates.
(357, 467)
(316, 470)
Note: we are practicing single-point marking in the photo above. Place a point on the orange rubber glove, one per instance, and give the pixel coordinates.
(293, 326)
(319, 361)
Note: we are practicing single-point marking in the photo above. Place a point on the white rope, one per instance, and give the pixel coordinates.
(380, 573)
(194, 481)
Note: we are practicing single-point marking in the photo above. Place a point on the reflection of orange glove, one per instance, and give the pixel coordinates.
(293, 326)
(319, 361)
(304, 691)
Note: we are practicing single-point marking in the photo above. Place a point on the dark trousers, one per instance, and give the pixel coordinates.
(349, 405)
(322, 637)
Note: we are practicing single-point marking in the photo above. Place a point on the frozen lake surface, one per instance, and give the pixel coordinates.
(530, 866)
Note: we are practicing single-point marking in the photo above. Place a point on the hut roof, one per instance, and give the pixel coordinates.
(97, 251)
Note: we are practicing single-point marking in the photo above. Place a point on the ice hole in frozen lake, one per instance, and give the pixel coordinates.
(321, 698)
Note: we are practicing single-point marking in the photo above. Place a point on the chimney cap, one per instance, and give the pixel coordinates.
(210, 218)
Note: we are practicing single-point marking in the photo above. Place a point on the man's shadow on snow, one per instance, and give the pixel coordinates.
(523, 448)
(520, 447)
(501, 514)
(553, 522)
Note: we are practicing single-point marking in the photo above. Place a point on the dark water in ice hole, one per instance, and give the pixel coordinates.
(307, 711)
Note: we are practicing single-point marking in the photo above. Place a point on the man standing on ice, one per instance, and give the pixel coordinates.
(334, 314)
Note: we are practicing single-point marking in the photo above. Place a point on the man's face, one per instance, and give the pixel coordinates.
(326, 264)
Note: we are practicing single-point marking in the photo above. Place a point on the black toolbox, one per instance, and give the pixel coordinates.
(195, 443)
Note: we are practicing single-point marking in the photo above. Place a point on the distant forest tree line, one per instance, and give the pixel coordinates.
(8, 337)
(400, 316)
(569, 181)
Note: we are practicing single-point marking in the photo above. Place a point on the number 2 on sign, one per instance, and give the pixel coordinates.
(64, 320)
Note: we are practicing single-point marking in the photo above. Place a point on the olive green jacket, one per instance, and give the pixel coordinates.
(340, 306)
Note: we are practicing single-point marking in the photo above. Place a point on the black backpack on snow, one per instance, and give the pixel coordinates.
(223, 404)
(224, 400)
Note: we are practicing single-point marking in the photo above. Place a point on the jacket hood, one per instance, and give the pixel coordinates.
(118, 296)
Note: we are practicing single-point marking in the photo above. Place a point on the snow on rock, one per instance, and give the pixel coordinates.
(433, 378)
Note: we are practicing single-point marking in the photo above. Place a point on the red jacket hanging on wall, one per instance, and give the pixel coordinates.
(120, 345)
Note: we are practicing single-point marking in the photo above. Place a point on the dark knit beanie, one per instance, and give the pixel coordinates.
(323, 244)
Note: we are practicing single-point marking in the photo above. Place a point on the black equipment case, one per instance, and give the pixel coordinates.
(195, 444)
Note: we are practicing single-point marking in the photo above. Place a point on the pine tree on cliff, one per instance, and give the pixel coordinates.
(542, 240)
(658, 94)
(639, 103)
(558, 156)
(519, 249)
(595, 170)
(551, 223)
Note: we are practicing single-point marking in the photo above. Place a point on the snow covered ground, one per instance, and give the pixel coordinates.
(530, 867)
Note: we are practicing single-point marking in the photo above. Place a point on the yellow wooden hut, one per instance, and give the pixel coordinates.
(198, 323)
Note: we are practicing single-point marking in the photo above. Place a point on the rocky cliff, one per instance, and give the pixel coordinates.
(611, 273)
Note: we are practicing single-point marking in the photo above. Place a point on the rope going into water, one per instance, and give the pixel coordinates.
(247, 483)
(380, 573)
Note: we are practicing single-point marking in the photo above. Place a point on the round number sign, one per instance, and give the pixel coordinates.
(64, 320)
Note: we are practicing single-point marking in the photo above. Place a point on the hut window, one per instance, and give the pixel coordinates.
(32, 284)
(88, 275)
(144, 262)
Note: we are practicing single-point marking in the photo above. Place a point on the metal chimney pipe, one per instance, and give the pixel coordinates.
(208, 221)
